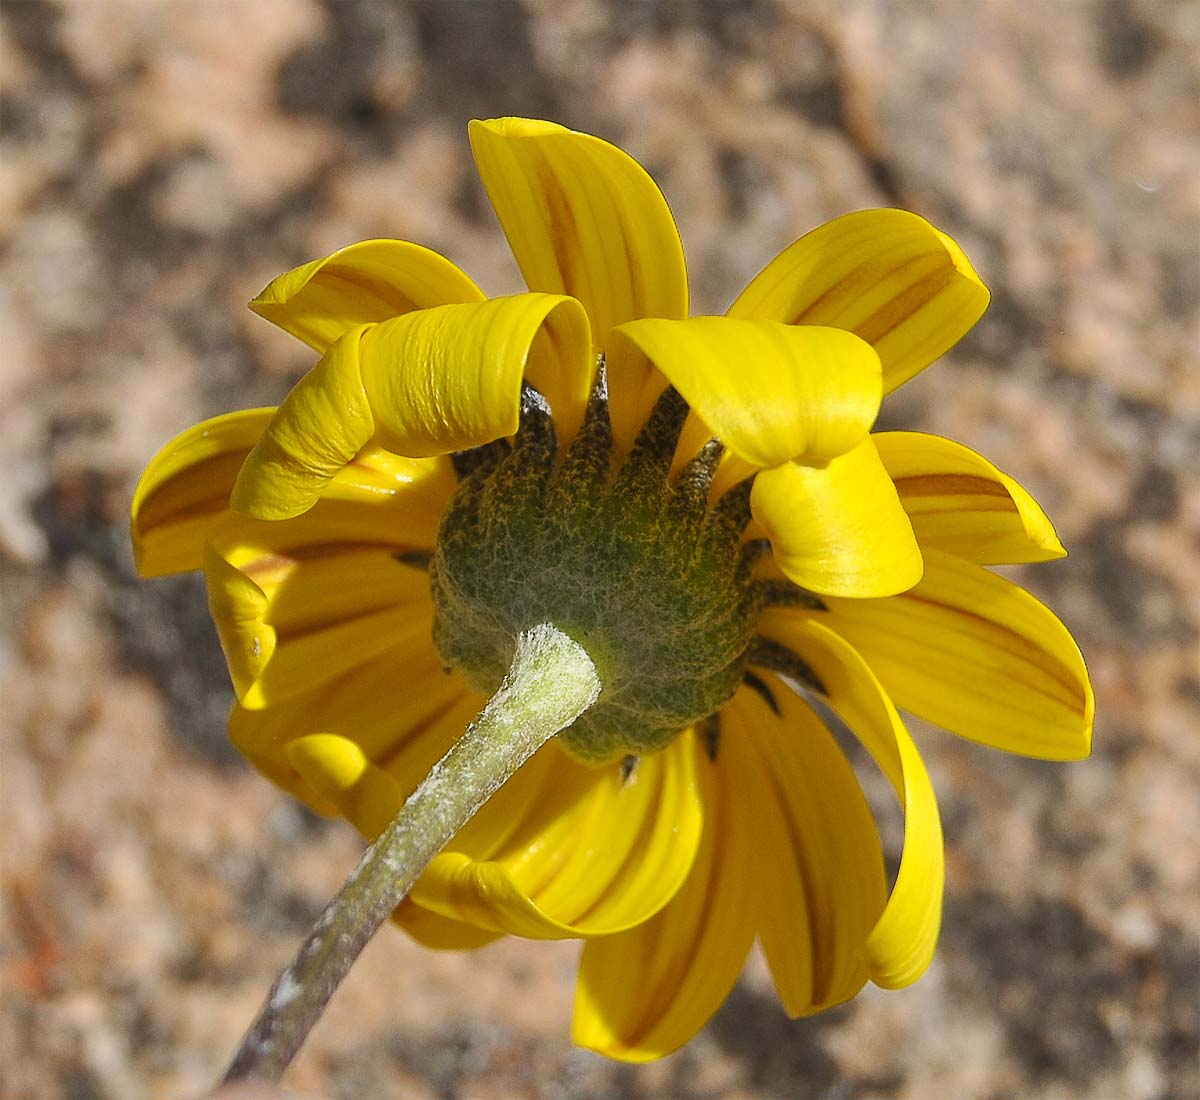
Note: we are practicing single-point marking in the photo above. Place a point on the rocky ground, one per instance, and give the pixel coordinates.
(161, 161)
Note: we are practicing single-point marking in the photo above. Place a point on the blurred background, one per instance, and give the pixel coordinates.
(162, 160)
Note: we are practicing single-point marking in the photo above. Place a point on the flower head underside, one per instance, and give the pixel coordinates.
(698, 501)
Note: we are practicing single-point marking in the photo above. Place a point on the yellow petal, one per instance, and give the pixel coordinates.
(404, 500)
(978, 655)
(769, 392)
(440, 933)
(379, 499)
(582, 218)
(447, 379)
(340, 771)
(238, 606)
(364, 282)
(903, 941)
(820, 875)
(591, 854)
(321, 425)
(885, 275)
(959, 502)
(399, 712)
(298, 603)
(839, 530)
(428, 383)
(378, 477)
(185, 490)
(647, 991)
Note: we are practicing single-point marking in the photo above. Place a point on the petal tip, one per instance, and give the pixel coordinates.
(962, 264)
(1051, 545)
(515, 126)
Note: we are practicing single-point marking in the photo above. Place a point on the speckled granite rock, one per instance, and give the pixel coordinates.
(160, 162)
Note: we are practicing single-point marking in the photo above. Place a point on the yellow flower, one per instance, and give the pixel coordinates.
(702, 804)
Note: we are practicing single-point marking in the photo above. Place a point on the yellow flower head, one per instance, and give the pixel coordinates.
(700, 503)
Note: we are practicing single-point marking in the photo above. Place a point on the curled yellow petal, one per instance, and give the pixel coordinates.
(959, 502)
(588, 853)
(903, 941)
(770, 392)
(582, 218)
(978, 655)
(357, 285)
(838, 530)
(645, 992)
(185, 490)
(820, 873)
(338, 768)
(885, 275)
(321, 425)
(391, 497)
(400, 710)
(295, 605)
(438, 932)
(428, 383)
(450, 378)
(238, 607)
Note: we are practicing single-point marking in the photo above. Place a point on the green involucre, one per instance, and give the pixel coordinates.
(650, 580)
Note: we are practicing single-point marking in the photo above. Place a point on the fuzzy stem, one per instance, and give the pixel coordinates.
(551, 682)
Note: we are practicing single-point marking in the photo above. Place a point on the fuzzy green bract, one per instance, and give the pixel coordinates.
(644, 574)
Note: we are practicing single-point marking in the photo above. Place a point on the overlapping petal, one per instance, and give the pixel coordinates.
(183, 496)
(584, 853)
(297, 604)
(646, 992)
(362, 739)
(902, 943)
(819, 874)
(185, 490)
(838, 529)
(582, 218)
(769, 392)
(885, 275)
(370, 281)
(431, 382)
(398, 713)
(979, 655)
(440, 933)
(368, 770)
(959, 502)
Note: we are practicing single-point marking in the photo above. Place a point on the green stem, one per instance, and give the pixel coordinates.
(550, 683)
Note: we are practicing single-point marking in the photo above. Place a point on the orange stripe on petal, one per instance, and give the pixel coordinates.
(647, 991)
(296, 606)
(886, 275)
(399, 710)
(582, 218)
(360, 284)
(959, 502)
(820, 872)
(591, 855)
(978, 655)
(185, 490)
(903, 940)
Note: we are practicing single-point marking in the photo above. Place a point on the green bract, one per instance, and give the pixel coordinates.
(648, 578)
